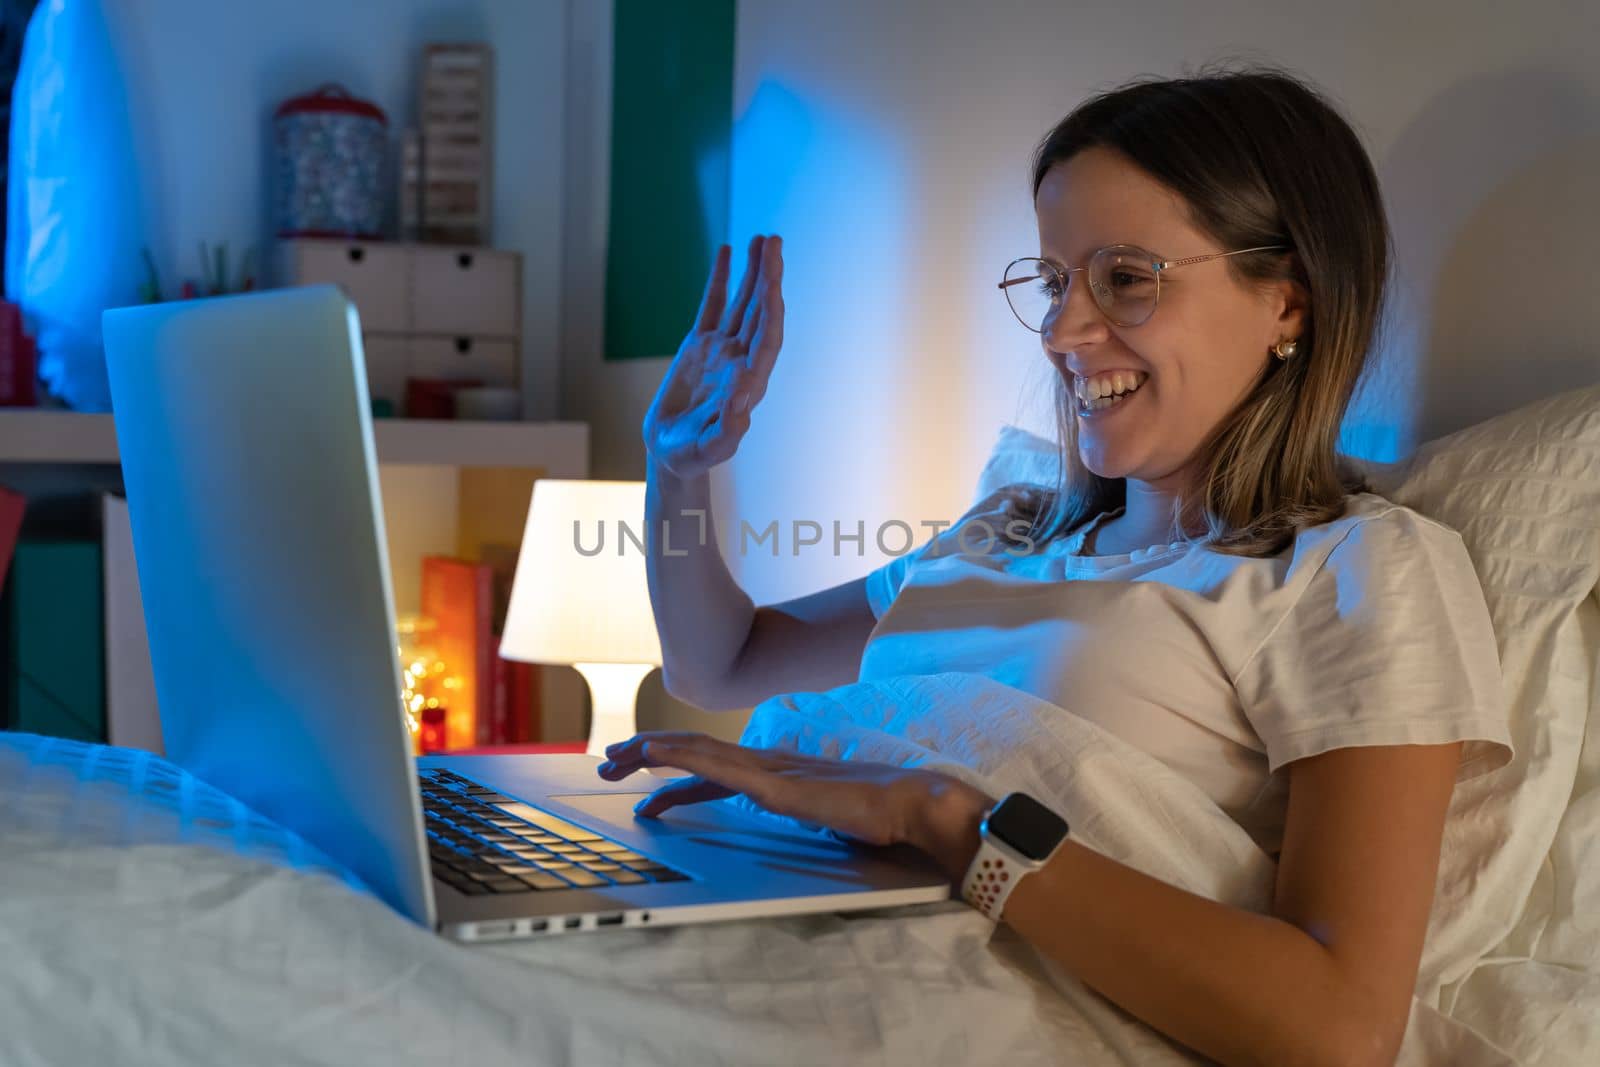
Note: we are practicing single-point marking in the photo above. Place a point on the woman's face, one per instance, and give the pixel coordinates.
(1197, 355)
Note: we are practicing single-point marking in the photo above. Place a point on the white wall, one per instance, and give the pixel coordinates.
(205, 76)
(889, 143)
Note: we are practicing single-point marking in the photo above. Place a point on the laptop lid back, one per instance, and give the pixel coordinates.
(251, 475)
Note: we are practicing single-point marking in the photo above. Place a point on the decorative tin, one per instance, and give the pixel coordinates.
(331, 150)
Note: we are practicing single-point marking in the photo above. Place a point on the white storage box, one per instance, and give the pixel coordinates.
(448, 312)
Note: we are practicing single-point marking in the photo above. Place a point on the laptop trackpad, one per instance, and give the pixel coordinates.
(701, 818)
(617, 809)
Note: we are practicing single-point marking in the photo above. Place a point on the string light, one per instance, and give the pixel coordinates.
(426, 681)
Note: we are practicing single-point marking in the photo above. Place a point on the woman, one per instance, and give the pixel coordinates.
(1206, 581)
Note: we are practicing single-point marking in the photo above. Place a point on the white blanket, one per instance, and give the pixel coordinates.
(1119, 801)
(123, 946)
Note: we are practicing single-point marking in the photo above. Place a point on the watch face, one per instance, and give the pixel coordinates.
(1027, 826)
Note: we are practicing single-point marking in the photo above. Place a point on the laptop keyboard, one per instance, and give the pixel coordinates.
(483, 842)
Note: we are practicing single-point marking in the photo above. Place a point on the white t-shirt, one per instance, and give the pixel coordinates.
(1367, 630)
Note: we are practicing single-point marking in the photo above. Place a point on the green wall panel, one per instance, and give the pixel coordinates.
(671, 133)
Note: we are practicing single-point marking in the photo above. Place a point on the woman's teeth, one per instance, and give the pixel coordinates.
(1106, 390)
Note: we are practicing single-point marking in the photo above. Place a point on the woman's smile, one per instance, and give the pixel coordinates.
(1102, 394)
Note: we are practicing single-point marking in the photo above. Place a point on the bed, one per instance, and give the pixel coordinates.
(146, 918)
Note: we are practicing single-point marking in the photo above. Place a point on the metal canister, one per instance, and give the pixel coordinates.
(331, 152)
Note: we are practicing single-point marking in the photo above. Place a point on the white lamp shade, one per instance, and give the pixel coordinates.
(569, 602)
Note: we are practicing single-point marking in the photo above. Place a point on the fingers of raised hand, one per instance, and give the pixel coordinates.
(715, 297)
(767, 339)
(747, 285)
(768, 290)
(764, 353)
(736, 398)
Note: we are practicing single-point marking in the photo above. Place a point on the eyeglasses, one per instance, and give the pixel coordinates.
(1125, 281)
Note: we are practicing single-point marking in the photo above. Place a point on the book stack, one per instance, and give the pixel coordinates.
(454, 113)
(498, 700)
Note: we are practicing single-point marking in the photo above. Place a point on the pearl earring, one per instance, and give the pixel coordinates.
(1284, 349)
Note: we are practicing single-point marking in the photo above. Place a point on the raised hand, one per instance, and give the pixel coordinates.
(702, 410)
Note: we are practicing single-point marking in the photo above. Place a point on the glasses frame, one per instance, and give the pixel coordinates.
(1157, 265)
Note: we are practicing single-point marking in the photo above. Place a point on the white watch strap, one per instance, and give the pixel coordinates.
(991, 878)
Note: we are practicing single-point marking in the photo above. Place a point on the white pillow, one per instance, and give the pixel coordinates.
(1019, 457)
(1523, 490)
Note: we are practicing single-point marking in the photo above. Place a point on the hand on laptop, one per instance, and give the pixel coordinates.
(874, 803)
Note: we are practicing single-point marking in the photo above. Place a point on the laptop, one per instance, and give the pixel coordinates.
(252, 482)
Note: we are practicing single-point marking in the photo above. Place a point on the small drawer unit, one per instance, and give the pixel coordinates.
(427, 311)
(376, 276)
(465, 291)
(486, 360)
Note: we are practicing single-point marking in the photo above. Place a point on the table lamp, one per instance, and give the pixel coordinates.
(580, 596)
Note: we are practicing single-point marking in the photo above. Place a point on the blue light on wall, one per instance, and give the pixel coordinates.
(835, 429)
(75, 222)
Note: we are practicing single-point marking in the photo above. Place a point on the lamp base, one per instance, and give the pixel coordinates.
(614, 695)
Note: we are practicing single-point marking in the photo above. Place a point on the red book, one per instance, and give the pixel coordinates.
(12, 505)
(434, 398)
(487, 646)
(500, 711)
(526, 722)
(517, 718)
(18, 360)
(459, 596)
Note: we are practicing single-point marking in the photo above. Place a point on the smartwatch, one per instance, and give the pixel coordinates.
(1017, 837)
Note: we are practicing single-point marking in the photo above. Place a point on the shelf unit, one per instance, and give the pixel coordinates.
(44, 452)
(561, 449)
